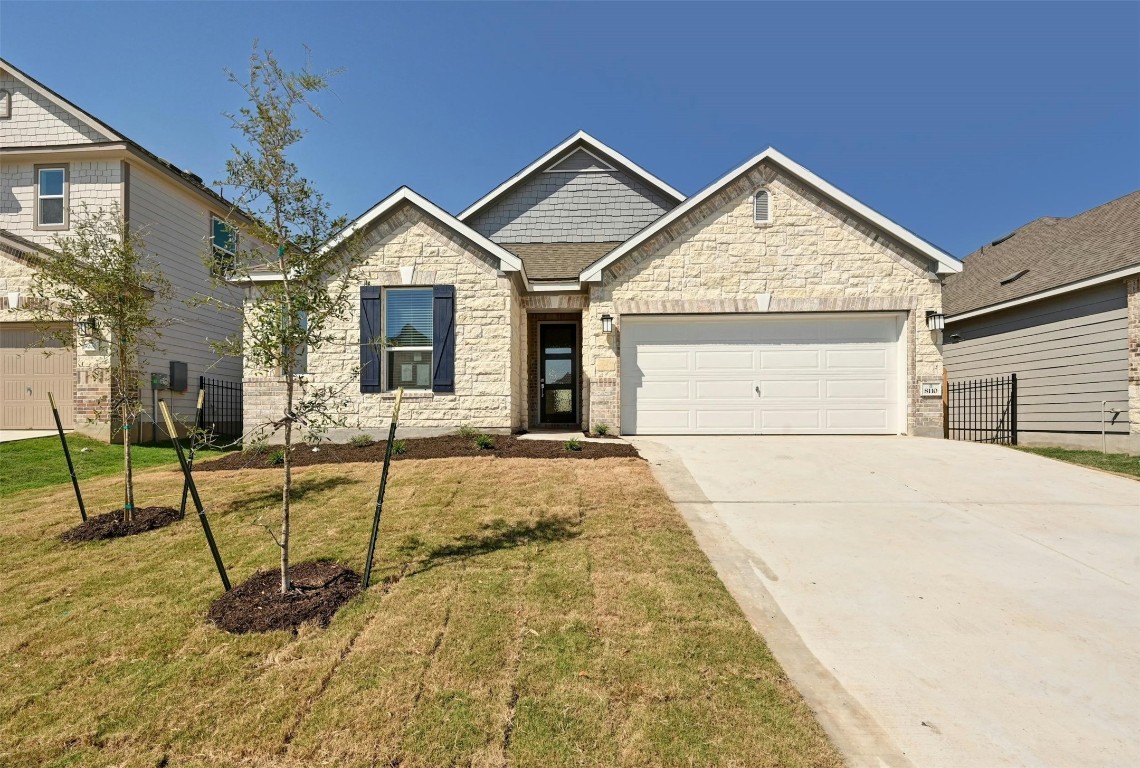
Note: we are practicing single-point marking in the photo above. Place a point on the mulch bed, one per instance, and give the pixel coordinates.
(257, 605)
(111, 525)
(443, 447)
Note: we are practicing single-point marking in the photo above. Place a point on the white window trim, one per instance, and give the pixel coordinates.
(66, 196)
(388, 350)
(765, 222)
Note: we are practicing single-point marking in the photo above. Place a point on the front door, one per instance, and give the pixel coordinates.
(558, 373)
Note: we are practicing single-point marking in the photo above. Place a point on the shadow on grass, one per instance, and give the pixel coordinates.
(260, 499)
(495, 536)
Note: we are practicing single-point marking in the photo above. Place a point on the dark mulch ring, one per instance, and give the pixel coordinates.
(257, 605)
(111, 525)
(443, 447)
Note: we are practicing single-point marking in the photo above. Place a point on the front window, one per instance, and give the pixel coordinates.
(224, 240)
(408, 335)
(51, 197)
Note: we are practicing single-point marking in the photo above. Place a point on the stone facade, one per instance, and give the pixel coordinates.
(489, 322)
(1133, 288)
(813, 256)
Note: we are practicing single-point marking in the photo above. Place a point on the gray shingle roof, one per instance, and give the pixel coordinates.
(558, 261)
(1054, 252)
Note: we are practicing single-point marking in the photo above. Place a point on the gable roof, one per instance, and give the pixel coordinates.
(946, 262)
(579, 140)
(1050, 253)
(558, 261)
(508, 261)
(83, 116)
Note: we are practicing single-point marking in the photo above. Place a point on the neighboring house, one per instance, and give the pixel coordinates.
(584, 290)
(1058, 303)
(54, 159)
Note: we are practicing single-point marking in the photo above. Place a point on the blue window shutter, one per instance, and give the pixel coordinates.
(443, 347)
(370, 349)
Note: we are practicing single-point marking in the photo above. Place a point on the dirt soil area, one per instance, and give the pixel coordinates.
(257, 605)
(443, 447)
(111, 525)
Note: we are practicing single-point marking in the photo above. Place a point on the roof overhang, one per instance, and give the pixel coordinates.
(1107, 277)
(579, 139)
(946, 264)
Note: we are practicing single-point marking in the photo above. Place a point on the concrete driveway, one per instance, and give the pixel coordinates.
(12, 435)
(937, 603)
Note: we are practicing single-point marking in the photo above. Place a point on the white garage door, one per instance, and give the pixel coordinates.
(31, 366)
(823, 374)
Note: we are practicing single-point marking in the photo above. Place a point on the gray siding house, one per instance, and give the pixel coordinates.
(1058, 303)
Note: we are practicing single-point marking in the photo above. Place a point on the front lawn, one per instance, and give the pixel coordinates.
(528, 612)
(39, 463)
(1121, 463)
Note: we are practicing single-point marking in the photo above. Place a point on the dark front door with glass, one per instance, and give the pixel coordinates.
(558, 373)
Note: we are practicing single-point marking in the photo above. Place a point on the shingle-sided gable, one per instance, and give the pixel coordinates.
(36, 120)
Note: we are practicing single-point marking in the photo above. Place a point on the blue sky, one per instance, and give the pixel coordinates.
(960, 121)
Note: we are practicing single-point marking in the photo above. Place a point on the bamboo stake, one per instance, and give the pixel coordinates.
(194, 495)
(383, 487)
(67, 455)
(190, 461)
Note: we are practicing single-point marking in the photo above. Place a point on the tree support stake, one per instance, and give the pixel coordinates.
(67, 455)
(383, 487)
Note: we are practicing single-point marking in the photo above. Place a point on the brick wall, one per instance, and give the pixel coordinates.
(813, 256)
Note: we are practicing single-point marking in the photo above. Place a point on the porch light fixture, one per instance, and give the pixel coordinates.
(607, 323)
(87, 327)
(935, 321)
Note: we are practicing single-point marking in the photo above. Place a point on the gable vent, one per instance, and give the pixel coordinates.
(761, 207)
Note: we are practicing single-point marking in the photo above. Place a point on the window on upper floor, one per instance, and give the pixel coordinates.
(51, 197)
(762, 207)
(408, 328)
(224, 245)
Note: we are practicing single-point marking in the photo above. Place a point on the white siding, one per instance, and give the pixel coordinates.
(38, 122)
(174, 224)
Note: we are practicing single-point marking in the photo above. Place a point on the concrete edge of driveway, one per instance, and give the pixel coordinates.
(857, 735)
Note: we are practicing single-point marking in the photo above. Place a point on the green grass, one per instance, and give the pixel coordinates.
(39, 463)
(1120, 463)
(531, 613)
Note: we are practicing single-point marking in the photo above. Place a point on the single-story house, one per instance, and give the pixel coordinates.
(1058, 303)
(584, 290)
(55, 159)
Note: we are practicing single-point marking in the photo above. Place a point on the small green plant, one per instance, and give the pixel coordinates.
(255, 448)
(573, 444)
(467, 432)
(277, 458)
(601, 430)
(361, 441)
(399, 447)
(484, 442)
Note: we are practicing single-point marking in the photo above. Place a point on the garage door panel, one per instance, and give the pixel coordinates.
(767, 374)
(31, 366)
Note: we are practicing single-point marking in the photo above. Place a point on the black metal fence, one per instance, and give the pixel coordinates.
(983, 410)
(221, 409)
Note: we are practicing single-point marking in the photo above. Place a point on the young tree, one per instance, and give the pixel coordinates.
(102, 282)
(288, 234)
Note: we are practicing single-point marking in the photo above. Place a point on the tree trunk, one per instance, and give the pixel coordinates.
(286, 488)
(128, 473)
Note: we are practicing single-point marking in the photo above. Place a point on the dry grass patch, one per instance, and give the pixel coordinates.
(553, 613)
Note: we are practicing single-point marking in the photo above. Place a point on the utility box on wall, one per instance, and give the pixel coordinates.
(177, 376)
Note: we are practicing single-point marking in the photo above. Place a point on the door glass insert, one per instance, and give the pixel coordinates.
(557, 371)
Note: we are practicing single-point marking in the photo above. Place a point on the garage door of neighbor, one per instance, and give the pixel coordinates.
(818, 374)
(30, 367)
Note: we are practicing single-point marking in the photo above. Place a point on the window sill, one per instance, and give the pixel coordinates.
(410, 394)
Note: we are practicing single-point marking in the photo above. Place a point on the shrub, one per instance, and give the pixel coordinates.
(484, 441)
(601, 430)
(573, 444)
(361, 441)
(256, 447)
(277, 458)
(467, 432)
(399, 446)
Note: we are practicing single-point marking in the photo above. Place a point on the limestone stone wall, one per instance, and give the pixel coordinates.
(813, 256)
(409, 249)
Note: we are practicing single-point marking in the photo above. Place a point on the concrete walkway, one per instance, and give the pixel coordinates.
(937, 603)
(12, 435)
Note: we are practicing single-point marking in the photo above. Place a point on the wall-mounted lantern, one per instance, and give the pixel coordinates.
(935, 321)
(88, 327)
(607, 323)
